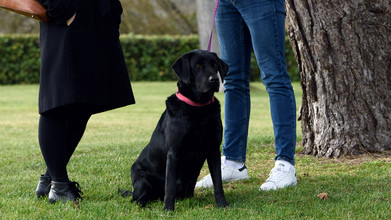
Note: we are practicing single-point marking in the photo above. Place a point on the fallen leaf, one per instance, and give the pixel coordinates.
(209, 206)
(323, 196)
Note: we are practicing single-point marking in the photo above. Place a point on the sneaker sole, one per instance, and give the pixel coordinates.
(224, 181)
(242, 178)
(291, 185)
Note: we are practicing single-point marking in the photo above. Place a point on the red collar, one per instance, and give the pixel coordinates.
(192, 103)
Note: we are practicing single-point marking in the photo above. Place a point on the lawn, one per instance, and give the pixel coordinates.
(357, 188)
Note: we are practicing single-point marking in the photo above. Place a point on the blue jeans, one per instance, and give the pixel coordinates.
(244, 26)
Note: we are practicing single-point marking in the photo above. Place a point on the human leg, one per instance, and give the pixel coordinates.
(60, 131)
(235, 50)
(266, 20)
(53, 142)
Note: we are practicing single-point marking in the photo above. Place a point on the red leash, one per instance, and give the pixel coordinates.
(213, 22)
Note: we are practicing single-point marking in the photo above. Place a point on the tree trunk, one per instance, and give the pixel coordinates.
(204, 21)
(343, 48)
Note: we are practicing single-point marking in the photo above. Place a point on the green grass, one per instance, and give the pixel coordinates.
(358, 188)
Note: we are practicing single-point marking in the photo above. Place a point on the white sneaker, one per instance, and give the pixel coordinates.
(281, 176)
(228, 173)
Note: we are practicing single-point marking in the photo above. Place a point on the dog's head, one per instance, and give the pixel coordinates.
(198, 70)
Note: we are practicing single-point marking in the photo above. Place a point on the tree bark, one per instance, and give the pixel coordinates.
(343, 48)
(204, 21)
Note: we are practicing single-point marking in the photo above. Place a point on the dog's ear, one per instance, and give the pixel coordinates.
(223, 68)
(182, 68)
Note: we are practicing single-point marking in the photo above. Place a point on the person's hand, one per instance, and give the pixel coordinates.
(69, 22)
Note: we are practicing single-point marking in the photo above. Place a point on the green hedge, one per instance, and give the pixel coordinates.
(148, 58)
(19, 59)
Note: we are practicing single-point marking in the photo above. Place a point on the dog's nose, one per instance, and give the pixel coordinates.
(213, 79)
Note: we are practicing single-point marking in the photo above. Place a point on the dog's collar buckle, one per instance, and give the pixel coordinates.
(192, 103)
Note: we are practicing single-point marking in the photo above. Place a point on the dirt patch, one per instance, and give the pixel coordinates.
(356, 159)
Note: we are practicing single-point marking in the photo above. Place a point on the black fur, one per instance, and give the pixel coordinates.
(184, 137)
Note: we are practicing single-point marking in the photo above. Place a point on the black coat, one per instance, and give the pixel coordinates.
(83, 63)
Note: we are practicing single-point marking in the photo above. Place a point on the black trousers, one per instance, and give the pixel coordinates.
(59, 133)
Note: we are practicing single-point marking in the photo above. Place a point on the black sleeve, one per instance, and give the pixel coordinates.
(59, 11)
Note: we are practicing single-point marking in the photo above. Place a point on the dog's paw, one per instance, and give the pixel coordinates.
(124, 193)
(169, 208)
(222, 203)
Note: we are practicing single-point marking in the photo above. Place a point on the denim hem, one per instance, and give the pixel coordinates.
(291, 161)
(235, 159)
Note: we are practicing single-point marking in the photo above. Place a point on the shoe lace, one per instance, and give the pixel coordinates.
(223, 166)
(47, 188)
(75, 188)
(276, 175)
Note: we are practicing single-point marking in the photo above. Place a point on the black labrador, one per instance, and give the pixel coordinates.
(188, 133)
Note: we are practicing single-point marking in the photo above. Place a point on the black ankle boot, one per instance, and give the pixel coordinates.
(65, 191)
(43, 187)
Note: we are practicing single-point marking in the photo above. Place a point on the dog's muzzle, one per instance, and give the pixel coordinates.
(214, 82)
(214, 79)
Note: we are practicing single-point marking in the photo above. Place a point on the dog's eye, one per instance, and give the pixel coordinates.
(198, 66)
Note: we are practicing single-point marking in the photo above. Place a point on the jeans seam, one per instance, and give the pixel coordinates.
(244, 79)
(276, 40)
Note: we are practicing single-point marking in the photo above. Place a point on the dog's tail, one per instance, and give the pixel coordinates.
(124, 193)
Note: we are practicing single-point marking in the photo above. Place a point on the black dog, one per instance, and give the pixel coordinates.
(188, 133)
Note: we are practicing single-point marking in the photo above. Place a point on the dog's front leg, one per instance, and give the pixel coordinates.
(214, 164)
(170, 184)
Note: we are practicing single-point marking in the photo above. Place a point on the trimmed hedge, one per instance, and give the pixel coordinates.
(19, 59)
(148, 58)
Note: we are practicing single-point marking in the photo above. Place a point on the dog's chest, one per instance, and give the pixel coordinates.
(196, 128)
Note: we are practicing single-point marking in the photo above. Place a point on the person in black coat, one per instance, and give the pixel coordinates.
(83, 72)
